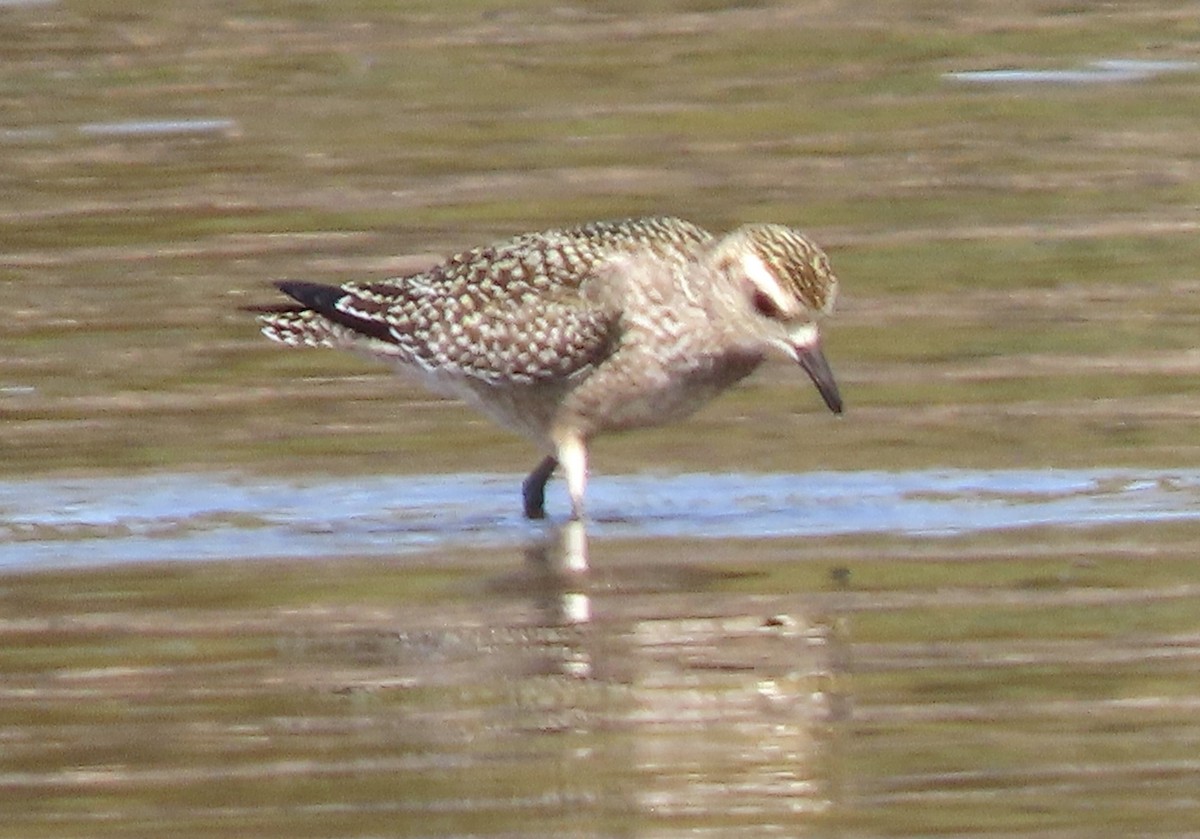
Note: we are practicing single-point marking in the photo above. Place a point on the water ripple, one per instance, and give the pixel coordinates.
(58, 523)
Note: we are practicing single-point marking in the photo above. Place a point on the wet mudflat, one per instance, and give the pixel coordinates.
(252, 592)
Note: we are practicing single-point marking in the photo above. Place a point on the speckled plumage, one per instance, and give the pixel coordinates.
(564, 334)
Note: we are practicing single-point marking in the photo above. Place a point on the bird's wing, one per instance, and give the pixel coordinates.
(517, 311)
(507, 313)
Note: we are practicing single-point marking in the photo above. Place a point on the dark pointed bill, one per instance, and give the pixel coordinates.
(813, 362)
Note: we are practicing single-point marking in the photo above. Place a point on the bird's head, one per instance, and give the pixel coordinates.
(783, 283)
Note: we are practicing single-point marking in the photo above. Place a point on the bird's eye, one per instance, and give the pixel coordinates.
(765, 306)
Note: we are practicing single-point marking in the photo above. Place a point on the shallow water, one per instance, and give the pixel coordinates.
(1023, 681)
(1110, 71)
(55, 523)
(975, 653)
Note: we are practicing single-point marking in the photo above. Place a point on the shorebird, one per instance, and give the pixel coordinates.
(565, 334)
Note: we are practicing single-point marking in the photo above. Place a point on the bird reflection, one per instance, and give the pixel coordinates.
(557, 562)
(717, 703)
(631, 698)
(558, 588)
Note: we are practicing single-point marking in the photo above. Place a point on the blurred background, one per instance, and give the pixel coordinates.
(1009, 194)
(1017, 253)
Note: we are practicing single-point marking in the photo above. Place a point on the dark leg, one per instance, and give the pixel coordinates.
(533, 490)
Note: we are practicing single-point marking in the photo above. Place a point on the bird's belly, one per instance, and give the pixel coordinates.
(524, 409)
(637, 396)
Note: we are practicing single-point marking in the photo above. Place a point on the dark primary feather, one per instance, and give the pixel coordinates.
(320, 298)
(323, 299)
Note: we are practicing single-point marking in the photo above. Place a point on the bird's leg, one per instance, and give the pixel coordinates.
(572, 454)
(533, 490)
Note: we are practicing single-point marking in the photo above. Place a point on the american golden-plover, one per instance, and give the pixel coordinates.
(564, 334)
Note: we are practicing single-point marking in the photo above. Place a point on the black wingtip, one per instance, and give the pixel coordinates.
(324, 299)
(315, 296)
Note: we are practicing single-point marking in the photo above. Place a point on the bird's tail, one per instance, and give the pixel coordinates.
(298, 327)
